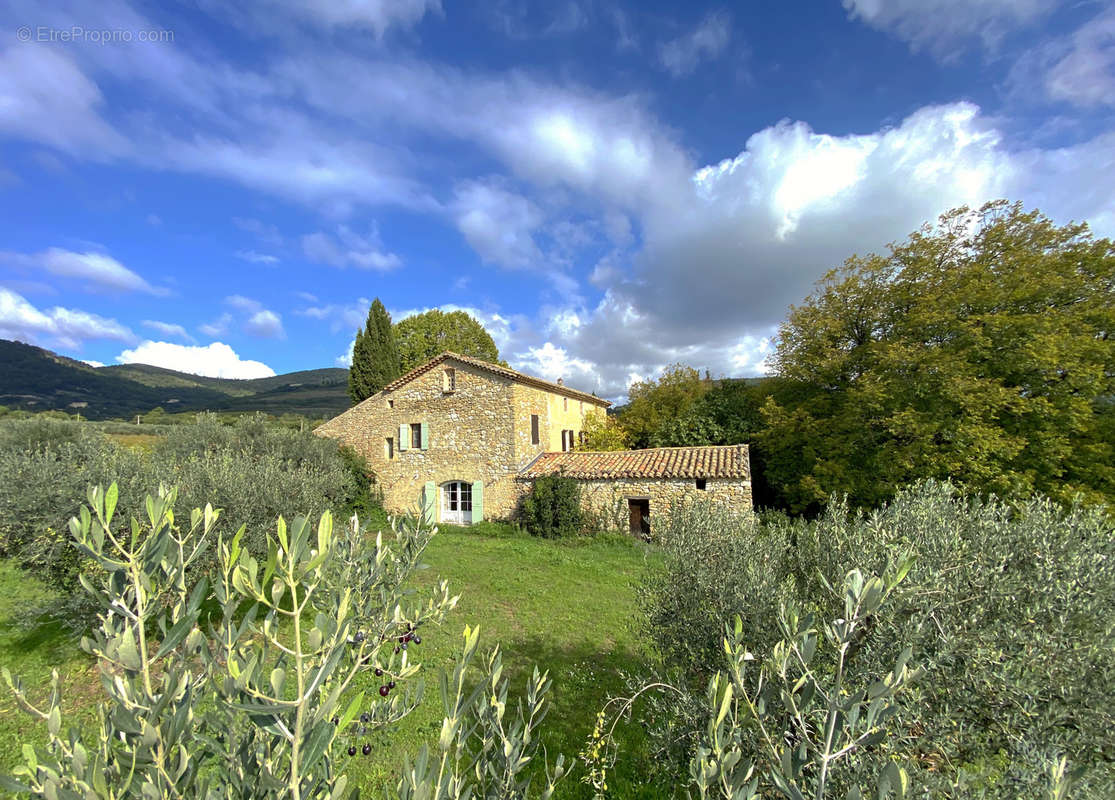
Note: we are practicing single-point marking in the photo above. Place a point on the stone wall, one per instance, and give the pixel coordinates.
(469, 437)
(555, 414)
(481, 431)
(608, 498)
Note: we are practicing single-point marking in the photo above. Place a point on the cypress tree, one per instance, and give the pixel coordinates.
(375, 356)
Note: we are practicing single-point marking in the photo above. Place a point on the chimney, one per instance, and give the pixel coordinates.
(560, 382)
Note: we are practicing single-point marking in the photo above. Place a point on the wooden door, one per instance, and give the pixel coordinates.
(640, 516)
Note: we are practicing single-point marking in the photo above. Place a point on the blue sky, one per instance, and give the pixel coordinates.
(610, 188)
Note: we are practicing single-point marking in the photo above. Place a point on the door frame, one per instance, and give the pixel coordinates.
(642, 505)
(461, 497)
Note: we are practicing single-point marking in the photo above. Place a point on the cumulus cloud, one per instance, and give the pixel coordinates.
(55, 327)
(723, 257)
(681, 56)
(267, 324)
(349, 249)
(216, 360)
(97, 271)
(498, 224)
(944, 26)
(168, 329)
(259, 321)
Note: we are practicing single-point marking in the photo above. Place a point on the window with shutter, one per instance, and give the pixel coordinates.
(415, 436)
(534, 429)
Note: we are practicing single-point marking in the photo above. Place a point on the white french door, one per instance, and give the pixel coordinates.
(456, 503)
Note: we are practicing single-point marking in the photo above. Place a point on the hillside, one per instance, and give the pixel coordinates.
(35, 379)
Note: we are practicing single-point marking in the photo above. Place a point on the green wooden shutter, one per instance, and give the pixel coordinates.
(478, 501)
(425, 436)
(404, 437)
(429, 503)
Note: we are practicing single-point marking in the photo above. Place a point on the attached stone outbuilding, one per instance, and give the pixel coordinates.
(629, 487)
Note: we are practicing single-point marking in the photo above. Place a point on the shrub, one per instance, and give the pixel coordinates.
(552, 508)
(254, 696)
(252, 469)
(1008, 607)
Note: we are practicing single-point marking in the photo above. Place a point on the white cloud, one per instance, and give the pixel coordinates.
(375, 16)
(259, 321)
(551, 362)
(252, 257)
(216, 360)
(681, 56)
(55, 327)
(218, 327)
(266, 324)
(45, 97)
(723, 256)
(944, 26)
(349, 249)
(345, 358)
(97, 270)
(341, 317)
(1078, 69)
(266, 233)
(242, 303)
(92, 363)
(168, 329)
(498, 224)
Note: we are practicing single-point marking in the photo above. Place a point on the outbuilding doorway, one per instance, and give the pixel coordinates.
(639, 508)
(456, 503)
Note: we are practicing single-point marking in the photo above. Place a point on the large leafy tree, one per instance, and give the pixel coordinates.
(654, 404)
(978, 350)
(375, 356)
(430, 334)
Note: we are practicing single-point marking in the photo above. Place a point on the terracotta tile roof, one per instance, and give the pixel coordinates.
(496, 369)
(729, 461)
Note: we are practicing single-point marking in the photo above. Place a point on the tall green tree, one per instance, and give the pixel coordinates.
(978, 350)
(430, 334)
(654, 404)
(375, 355)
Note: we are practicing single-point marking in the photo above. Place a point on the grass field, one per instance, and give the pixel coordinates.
(567, 607)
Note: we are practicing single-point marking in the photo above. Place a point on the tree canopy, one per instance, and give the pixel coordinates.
(978, 350)
(653, 404)
(375, 357)
(430, 334)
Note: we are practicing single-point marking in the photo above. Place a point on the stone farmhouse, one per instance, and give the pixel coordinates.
(461, 440)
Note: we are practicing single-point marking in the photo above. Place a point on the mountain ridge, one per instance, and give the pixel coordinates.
(36, 379)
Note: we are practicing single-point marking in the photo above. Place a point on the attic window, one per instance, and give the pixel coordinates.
(701, 484)
(390, 403)
(449, 380)
(565, 403)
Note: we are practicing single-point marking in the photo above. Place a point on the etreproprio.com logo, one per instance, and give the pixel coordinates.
(79, 33)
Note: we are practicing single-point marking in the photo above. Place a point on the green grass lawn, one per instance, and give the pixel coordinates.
(567, 607)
